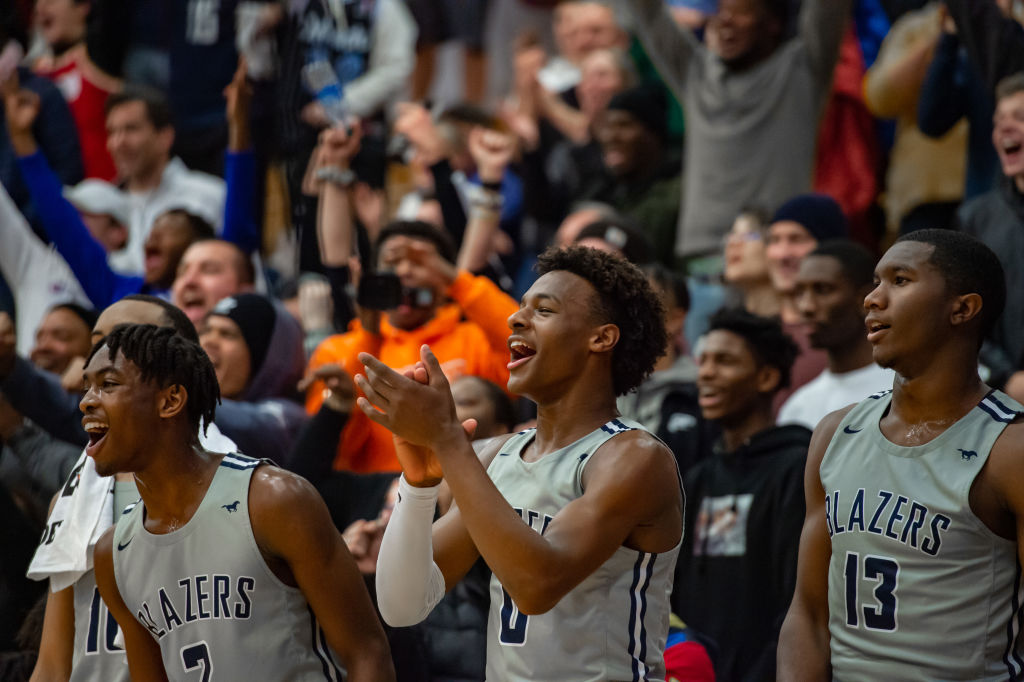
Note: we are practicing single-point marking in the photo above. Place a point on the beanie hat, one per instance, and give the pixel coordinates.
(255, 317)
(647, 104)
(819, 214)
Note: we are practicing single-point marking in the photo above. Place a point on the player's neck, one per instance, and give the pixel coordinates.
(173, 485)
(564, 421)
(937, 396)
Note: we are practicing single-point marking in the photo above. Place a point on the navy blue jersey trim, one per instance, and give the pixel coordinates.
(1011, 658)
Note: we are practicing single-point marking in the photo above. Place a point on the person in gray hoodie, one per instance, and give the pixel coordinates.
(256, 349)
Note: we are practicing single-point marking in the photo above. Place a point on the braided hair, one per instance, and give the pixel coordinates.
(166, 358)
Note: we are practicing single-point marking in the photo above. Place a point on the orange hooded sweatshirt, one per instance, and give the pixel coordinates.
(468, 336)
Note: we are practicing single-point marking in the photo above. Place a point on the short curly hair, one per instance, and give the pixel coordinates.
(624, 298)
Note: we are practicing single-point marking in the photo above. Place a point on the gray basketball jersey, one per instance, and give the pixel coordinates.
(614, 624)
(918, 587)
(207, 596)
(96, 657)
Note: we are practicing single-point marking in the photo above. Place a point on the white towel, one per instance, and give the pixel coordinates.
(84, 510)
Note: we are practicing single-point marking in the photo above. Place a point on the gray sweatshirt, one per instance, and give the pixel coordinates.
(750, 135)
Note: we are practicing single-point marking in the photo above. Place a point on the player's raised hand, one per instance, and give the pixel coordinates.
(420, 413)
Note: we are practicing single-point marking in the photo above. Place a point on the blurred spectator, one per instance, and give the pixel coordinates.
(62, 26)
(34, 463)
(468, 160)
(210, 270)
(139, 137)
(39, 277)
(370, 48)
(993, 34)
(744, 502)
(953, 90)
(53, 129)
(580, 27)
(468, 336)
(255, 346)
(797, 228)
(643, 182)
(440, 21)
(830, 289)
(925, 178)
(752, 103)
(82, 241)
(619, 236)
(997, 219)
(580, 216)
(666, 402)
(746, 264)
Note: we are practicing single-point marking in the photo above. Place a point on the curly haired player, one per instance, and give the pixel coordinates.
(580, 519)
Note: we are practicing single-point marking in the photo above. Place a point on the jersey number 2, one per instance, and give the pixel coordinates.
(881, 615)
(197, 656)
(513, 623)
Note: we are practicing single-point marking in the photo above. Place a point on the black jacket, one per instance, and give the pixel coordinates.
(737, 566)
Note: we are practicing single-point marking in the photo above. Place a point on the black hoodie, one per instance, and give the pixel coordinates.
(737, 565)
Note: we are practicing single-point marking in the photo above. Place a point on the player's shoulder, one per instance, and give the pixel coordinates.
(1008, 449)
(488, 448)
(639, 450)
(273, 487)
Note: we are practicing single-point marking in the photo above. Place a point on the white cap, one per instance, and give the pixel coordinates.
(102, 198)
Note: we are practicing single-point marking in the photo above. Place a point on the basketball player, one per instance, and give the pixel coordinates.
(228, 567)
(909, 554)
(579, 519)
(79, 636)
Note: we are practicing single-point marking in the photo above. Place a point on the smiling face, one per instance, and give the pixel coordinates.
(551, 335)
(727, 376)
(745, 260)
(787, 244)
(1008, 136)
(628, 146)
(222, 340)
(831, 306)
(208, 272)
(119, 413)
(137, 147)
(908, 310)
(61, 337)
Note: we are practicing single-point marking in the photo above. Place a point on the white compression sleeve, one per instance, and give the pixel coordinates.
(409, 583)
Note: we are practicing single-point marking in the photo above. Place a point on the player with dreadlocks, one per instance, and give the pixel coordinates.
(579, 519)
(228, 563)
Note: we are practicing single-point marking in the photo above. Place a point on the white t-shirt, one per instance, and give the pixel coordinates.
(828, 392)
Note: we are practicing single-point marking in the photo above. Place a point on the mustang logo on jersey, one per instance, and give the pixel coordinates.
(200, 597)
(894, 516)
(967, 455)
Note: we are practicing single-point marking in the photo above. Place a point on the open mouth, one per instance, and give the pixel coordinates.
(875, 329)
(97, 433)
(520, 353)
(708, 397)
